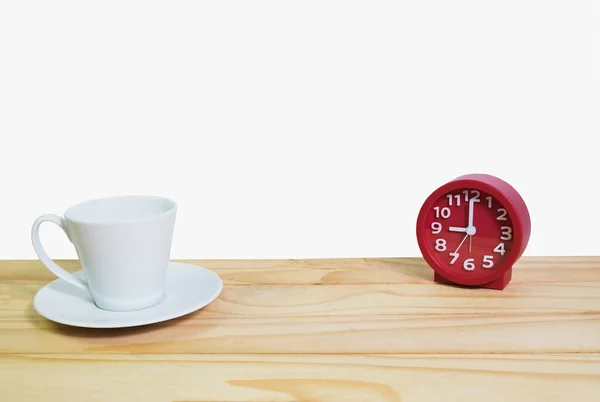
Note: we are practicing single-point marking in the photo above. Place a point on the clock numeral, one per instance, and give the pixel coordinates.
(502, 216)
(440, 244)
(436, 227)
(489, 200)
(474, 197)
(506, 233)
(500, 249)
(451, 196)
(444, 212)
(468, 264)
(455, 257)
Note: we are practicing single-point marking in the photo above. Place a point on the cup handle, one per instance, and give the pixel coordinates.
(47, 261)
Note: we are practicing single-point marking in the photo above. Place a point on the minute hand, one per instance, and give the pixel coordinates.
(471, 205)
(470, 228)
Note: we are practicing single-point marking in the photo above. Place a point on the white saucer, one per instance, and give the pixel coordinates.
(189, 288)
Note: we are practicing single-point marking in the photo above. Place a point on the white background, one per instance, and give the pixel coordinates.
(298, 129)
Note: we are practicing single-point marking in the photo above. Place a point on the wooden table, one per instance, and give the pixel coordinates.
(322, 330)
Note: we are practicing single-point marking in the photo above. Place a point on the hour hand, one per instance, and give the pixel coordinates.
(455, 229)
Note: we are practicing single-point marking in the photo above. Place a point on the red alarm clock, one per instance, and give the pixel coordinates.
(472, 230)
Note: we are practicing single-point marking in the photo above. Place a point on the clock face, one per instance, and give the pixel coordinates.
(468, 232)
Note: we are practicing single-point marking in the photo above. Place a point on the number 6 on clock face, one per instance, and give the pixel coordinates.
(472, 230)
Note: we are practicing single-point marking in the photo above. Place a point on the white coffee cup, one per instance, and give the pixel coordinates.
(123, 244)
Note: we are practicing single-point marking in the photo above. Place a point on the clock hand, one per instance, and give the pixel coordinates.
(455, 229)
(461, 243)
(471, 228)
(471, 205)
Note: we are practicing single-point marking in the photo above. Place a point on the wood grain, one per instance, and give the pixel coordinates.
(315, 378)
(323, 330)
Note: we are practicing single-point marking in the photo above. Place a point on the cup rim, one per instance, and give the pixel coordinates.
(172, 209)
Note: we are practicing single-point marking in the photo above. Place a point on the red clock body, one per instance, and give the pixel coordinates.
(472, 230)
